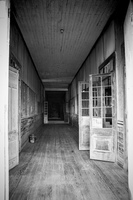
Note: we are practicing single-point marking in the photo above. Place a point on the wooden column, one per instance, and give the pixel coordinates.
(4, 67)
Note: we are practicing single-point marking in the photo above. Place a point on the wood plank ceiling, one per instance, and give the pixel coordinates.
(60, 33)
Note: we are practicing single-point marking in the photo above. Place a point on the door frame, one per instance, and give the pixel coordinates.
(4, 60)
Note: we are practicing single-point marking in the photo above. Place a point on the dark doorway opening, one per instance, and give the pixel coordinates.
(56, 105)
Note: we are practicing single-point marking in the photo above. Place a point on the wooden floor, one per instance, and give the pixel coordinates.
(54, 169)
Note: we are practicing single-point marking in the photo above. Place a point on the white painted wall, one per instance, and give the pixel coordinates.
(128, 36)
(4, 65)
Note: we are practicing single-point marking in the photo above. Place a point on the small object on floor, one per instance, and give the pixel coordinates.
(32, 138)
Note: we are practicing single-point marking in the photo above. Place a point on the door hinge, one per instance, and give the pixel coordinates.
(9, 10)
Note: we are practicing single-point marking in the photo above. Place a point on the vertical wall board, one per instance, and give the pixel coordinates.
(67, 105)
(93, 67)
(38, 93)
(99, 52)
(24, 76)
(73, 94)
(14, 39)
(29, 74)
(44, 94)
(19, 49)
(87, 69)
(109, 41)
(34, 83)
(22, 62)
(81, 74)
(24, 100)
(33, 80)
(77, 80)
(76, 84)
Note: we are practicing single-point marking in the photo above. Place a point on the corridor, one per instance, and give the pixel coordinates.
(54, 169)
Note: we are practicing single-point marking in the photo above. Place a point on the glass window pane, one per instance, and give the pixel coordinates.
(106, 80)
(106, 91)
(107, 122)
(96, 112)
(96, 91)
(107, 112)
(107, 101)
(96, 81)
(85, 95)
(85, 112)
(85, 104)
(96, 102)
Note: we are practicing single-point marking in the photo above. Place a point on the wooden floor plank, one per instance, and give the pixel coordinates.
(54, 169)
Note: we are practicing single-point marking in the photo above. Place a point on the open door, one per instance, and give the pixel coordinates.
(84, 119)
(13, 119)
(102, 117)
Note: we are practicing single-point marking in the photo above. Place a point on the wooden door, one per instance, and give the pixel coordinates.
(102, 117)
(45, 112)
(84, 119)
(13, 119)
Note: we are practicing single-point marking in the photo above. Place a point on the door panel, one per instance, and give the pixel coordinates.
(84, 119)
(102, 117)
(13, 119)
(45, 112)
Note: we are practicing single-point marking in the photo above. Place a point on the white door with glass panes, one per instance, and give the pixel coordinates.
(84, 119)
(45, 112)
(102, 117)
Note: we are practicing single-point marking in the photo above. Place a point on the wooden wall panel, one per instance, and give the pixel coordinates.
(109, 41)
(73, 90)
(81, 74)
(29, 72)
(93, 66)
(25, 76)
(99, 52)
(86, 71)
(24, 99)
(31, 86)
(19, 50)
(28, 126)
(14, 39)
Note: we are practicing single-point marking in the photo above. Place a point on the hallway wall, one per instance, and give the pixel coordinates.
(30, 86)
(104, 47)
(108, 50)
